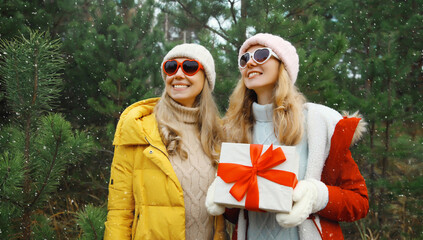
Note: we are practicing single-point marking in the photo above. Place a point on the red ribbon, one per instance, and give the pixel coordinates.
(245, 177)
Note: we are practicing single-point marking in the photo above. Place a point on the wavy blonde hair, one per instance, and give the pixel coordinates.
(287, 111)
(208, 125)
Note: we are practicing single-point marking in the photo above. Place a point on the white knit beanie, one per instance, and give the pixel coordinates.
(197, 52)
(284, 49)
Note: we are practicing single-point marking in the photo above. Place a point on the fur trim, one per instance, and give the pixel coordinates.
(361, 127)
(320, 125)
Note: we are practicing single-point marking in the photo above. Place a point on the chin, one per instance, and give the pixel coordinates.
(252, 86)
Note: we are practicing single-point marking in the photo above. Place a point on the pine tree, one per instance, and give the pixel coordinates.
(18, 16)
(91, 221)
(381, 73)
(38, 145)
(114, 59)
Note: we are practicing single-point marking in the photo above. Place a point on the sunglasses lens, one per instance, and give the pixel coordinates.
(261, 55)
(190, 67)
(244, 59)
(170, 67)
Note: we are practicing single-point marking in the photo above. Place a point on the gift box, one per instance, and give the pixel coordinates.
(256, 177)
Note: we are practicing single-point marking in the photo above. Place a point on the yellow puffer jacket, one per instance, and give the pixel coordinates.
(145, 197)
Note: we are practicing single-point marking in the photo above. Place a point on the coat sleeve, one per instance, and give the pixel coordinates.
(348, 199)
(121, 202)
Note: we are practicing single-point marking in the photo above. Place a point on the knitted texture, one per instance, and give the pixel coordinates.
(263, 225)
(197, 52)
(284, 49)
(263, 131)
(195, 175)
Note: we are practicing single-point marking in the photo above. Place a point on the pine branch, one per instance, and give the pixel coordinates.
(220, 26)
(47, 177)
(106, 151)
(12, 171)
(93, 228)
(17, 82)
(34, 95)
(6, 176)
(299, 10)
(232, 3)
(91, 221)
(8, 199)
(27, 182)
(186, 9)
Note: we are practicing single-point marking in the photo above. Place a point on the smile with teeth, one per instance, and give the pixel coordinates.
(180, 86)
(252, 74)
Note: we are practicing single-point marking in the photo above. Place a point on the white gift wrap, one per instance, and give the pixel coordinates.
(273, 196)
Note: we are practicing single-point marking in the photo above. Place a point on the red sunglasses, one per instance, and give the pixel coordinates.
(190, 67)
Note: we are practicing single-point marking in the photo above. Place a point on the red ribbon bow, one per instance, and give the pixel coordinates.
(245, 177)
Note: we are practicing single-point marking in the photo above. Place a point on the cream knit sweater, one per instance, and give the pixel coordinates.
(195, 175)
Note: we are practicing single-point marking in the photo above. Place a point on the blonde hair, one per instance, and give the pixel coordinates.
(287, 111)
(208, 125)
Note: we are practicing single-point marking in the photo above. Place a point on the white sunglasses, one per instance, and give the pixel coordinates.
(260, 56)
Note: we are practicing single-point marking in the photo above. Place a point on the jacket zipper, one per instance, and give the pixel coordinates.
(156, 147)
(161, 152)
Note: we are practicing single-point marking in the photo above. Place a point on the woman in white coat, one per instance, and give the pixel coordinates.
(267, 108)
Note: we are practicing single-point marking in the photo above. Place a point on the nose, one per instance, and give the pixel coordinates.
(179, 73)
(251, 62)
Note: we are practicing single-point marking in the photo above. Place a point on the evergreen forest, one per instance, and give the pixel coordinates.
(68, 68)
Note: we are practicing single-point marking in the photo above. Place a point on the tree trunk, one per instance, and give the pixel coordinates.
(26, 217)
(244, 7)
(385, 157)
(372, 192)
(166, 30)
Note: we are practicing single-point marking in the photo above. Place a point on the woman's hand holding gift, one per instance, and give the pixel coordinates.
(213, 208)
(309, 196)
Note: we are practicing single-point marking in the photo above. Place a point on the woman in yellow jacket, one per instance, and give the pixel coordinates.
(165, 155)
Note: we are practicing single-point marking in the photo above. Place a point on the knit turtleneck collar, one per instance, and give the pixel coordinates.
(263, 113)
(187, 115)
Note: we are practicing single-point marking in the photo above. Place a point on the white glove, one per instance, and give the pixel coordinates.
(213, 208)
(309, 196)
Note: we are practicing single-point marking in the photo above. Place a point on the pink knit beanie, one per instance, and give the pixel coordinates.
(284, 49)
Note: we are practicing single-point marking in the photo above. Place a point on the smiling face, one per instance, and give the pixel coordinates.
(183, 88)
(261, 78)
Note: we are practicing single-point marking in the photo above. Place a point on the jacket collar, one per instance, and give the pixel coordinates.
(136, 123)
(152, 135)
(138, 126)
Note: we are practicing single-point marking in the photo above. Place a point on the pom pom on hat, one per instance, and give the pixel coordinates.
(284, 49)
(197, 52)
